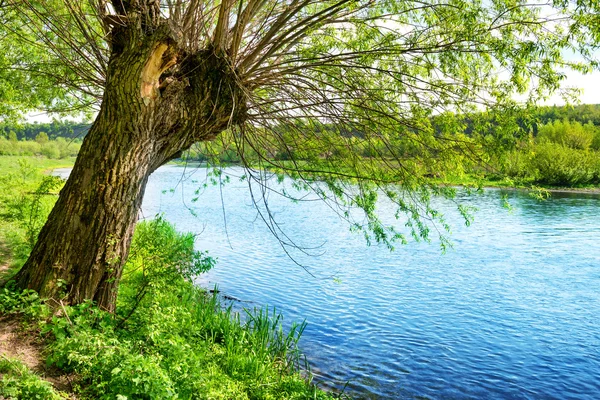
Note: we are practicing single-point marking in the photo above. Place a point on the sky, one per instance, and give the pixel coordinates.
(590, 84)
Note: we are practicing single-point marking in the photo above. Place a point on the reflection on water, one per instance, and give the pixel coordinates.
(510, 312)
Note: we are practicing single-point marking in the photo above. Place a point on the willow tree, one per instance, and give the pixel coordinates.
(345, 88)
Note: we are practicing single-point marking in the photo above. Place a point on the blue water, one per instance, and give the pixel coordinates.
(511, 312)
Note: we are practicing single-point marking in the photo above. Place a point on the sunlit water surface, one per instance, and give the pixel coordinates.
(512, 311)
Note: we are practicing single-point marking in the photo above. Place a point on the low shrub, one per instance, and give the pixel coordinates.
(557, 165)
(50, 150)
(67, 148)
(517, 164)
(169, 339)
(28, 148)
(18, 382)
(567, 133)
(55, 149)
(553, 164)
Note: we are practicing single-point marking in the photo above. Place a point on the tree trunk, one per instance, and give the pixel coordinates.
(145, 119)
(85, 241)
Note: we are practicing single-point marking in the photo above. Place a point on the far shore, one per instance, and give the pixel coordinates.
(591, 191)
(595, 191)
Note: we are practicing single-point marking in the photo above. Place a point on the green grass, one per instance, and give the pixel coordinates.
(168, 339)
(27, 193)
(495, 181)
(10, 164)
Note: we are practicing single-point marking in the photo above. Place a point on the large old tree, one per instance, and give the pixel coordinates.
(324, 81)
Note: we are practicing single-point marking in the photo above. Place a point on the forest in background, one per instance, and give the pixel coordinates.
(583, 114)
(551, 146)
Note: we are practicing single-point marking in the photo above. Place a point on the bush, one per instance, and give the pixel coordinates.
(169, 339)
(26, 198)
(596, 141)
(517, 164)
(42, 138)
(59, 148)
(562, 166)
(50, 150)
(29, 148)
(67, 148)
(18, 382)
(7, 148)
(570, 134)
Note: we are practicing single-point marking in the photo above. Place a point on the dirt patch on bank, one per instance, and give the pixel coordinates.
(18, 342)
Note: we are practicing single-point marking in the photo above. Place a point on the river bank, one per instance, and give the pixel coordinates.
(473, 182)
(11, 164)
(167, 339)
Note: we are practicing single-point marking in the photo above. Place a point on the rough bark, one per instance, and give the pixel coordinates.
(158, 101)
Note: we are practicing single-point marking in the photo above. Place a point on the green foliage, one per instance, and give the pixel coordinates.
(159, 256)
(50, 150)
(168, 338)
(42, 138)
(164, 254)
(56, 149)
(67, 147)
(562, 154)
(34, 209)
(31, 76)
(517, 164)
(18, 383)
(570, 134)
(56, 140)
(26, 302)
(596, 141)
(26, 198)
(53, 130)
(30, 205)
(552, 164)
(583, 113)
(558, 165)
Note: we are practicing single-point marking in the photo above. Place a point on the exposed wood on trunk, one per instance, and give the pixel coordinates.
(161, 59)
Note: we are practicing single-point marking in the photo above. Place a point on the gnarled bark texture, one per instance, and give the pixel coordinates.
(158, 101)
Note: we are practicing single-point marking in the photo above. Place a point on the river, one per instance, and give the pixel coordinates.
(511, 311)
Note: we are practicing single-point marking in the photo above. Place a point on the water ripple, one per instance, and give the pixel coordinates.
(510, 313)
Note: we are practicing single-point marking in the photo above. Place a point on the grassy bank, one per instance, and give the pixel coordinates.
(14, 164)
(495, 181)
(168, 338)
(27, 194)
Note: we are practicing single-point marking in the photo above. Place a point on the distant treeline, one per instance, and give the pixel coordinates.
(583, 114)
(575, 127)
(552, 146)
(586, 113)
(29, 131)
